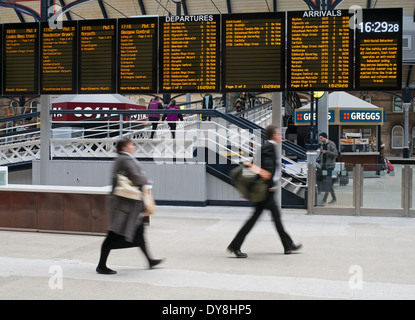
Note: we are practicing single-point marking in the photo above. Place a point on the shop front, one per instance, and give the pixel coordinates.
(354, 126)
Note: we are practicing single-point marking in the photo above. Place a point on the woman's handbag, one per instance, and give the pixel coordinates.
(149, 203)
(126, 189)
(249, 184)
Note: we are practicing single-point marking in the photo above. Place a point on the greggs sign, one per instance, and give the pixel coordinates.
(361, 116)
(303, 117)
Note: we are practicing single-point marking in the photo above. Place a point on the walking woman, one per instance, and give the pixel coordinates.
(125, 229)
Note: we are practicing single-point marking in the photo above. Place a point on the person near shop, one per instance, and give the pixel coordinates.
(125, 228)
(327, 160)
(154, 119)
(173, 118)
(269, 170)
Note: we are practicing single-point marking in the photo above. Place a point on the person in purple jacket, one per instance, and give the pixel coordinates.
(154, 104)
(172, 118)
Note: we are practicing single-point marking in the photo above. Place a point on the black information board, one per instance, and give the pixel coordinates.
(58, 67)
(21, 59)
(97, 56)
(319, 51)
(137, 57)
(379, 50)
(253, 52)
(189, 54)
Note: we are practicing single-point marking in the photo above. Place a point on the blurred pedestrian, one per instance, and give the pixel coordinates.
(125, 228)
(269, 170)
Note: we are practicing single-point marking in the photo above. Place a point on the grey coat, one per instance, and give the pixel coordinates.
(331, 156)
(126, 214)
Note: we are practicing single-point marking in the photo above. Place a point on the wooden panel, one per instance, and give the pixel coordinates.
(50, 211)
(99, 213)
(24, 210)
(5, 212)
(77, 212)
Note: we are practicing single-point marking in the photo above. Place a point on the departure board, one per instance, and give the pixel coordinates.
(21, 59)
(189, 54)
(379, 50)
(97, 56)
(253, 47)
(319, 51)
(137, 58)
(58, 49)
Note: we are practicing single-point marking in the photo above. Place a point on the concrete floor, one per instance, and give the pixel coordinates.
(342, 258)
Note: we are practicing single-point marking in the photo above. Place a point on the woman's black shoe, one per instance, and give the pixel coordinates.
(154, 262)
(237, 252)
(105, 270)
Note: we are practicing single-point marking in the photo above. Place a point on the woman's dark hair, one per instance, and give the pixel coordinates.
(121, 144)
(173, 102)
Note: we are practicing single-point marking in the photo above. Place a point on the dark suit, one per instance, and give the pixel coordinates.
(270, 161)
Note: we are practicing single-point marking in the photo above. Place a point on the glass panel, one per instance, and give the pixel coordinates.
(337, 190)
(413, 186)
(382, 186)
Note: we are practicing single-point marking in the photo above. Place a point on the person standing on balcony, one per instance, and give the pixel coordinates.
(327, 160)
(172, 118)
(207, 103)
(270, 170)
(154, 104)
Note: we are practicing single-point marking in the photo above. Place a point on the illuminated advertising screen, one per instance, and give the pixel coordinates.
(137, 57)
(21, 59)
(58, 67)
(319, 51)
(97, 56)
(379, 50)
(189, 54)
(253, 47)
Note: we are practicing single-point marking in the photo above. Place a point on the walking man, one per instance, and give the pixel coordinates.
(327, 160)
(270, 171)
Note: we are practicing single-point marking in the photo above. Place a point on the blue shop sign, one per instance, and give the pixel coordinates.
(304, 116)
(361, 116)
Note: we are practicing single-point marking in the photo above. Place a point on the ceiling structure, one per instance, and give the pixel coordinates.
(15, 11)
(12, 11)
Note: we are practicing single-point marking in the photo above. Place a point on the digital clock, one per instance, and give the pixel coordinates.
(378, 26)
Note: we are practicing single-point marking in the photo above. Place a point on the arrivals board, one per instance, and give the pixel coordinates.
(319, 51)
(253, 47)
(58, 67)
(97, 56)
(21, 59)
(379, 50)
(189, 54)
(137, 57)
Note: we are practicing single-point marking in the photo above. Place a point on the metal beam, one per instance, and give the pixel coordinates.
(67, 14)
(275, 6)
(20, 16)
(184, 4)
(368, 4)
(142, 7)
(103, 10)
(229, 5)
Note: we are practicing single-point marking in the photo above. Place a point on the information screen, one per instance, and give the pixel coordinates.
(137, 58)
(97, 56)
(58, 68)
(253, 47)
(189, 54)
(21, 59)
(319, 51)
(379, 50)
